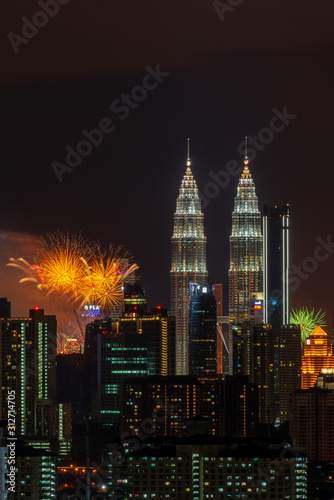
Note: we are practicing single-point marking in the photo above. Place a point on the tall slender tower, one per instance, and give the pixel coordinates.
(276, 252)
(188, 261)
(246, 253)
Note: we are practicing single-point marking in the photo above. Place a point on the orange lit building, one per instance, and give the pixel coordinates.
(318, 354)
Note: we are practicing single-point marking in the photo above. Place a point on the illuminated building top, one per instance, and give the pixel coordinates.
(188, 260)
(246, 250)
(317, 355)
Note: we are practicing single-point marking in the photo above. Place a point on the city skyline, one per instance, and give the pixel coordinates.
(167, 314)
(225, 79)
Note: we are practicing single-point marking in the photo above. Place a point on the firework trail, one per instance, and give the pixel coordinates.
(308, 320)
(77, 271)
(105, 275)
(33, 272)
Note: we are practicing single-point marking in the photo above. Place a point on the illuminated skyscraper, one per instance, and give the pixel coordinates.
(28, 349)
(188, 260)
(318, 354)
(246, 252)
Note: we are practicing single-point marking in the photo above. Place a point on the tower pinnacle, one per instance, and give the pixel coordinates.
(246, 172)
(188, 157)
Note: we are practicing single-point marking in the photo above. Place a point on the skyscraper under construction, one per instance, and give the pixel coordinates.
(188, 261)
(246, 254)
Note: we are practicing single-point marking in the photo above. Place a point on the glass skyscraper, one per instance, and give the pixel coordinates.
(276, 265)
(188, 261)
(203, 332)
(246, 253)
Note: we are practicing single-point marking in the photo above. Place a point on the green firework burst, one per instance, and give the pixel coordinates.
(308, 320)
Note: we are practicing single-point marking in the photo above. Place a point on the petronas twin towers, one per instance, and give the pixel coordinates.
(189, 255)
(188, 260)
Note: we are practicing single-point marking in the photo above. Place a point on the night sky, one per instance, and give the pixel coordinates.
(225, 78)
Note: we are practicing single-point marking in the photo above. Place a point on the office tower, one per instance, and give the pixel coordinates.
(207, 467)
(276, 262)
(263, 373)
(28, 350)
(241, 407)
(203, 332)
(134, 298)
(312, 423)
(188, 261)
(161, 406)
(246, 248)
(217, 291)
(119, 355)
(289, 367)
(158, 329)
(317, 354)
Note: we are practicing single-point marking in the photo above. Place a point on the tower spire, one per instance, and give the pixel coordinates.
(188, 157)
(246, 173)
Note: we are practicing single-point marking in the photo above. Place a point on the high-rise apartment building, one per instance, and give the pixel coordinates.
(312, 423)
(36, 473)
(188, 261)
(203, 332)
(28, 350)
(161, 406)
(207, 467)
(246, 252)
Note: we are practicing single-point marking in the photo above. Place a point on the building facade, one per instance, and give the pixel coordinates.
(161, 406)
(188, 261)
(28, 350)
(203, 332)
(217, 290)
(289, 367)
(263, 372)
(241, 407)
(246, 252)
(276, 264)
(317, 354)
(312, 423)
(204, 467)
(158, 329)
